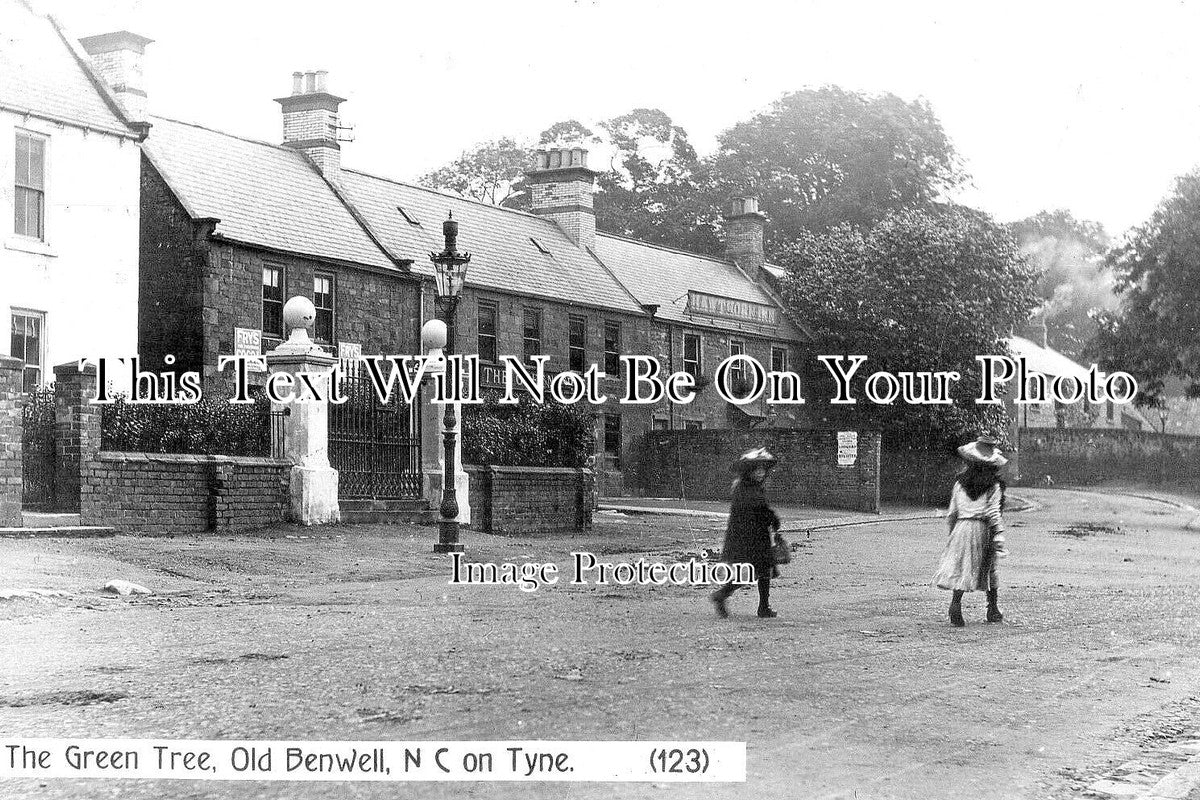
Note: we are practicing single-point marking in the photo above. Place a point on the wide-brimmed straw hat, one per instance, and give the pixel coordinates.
(758, 457)
(983, 451)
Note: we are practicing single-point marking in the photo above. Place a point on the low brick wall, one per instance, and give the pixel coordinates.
(173, 494)
(695, 465)
(1087, 456)
(11, 375)
(524, 500)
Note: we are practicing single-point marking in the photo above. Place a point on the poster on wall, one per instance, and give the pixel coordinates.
(847, 448)
(248, 342)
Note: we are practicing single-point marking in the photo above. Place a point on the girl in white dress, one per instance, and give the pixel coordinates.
(968, 562)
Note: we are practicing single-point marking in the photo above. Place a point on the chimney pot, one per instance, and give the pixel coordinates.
(561, 188)
(744, 205)
(310, 121)
(744, 229)
(118, 58)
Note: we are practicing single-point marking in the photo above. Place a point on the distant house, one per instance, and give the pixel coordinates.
(1082, 414)
(69, 194)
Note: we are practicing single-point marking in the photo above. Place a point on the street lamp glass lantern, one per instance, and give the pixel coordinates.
(451, 274)
(450, 266)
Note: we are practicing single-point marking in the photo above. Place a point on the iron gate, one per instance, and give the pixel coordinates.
(375, 447)
(37, 449)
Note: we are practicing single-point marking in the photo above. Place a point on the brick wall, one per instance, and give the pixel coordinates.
(233, 299)
(170, 292)
(76, 431)
(695, 465)
(910, 472)
(12, 371)
(709, 410)
(510, 315)
(194, 292)
(174, 494)
(523, 500)
(1088, 456)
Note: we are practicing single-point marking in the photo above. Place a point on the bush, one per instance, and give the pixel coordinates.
(528, 434)
(209, 427)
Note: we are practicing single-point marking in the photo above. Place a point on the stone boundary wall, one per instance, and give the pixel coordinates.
(523, 500)
(1085, 456)
(695, 465)
(161, 494)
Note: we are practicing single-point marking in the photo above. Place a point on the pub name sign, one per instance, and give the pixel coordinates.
(742, 310)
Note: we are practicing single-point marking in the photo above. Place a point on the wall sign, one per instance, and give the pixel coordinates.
(743, 310)
(847, 448)
(248, 342)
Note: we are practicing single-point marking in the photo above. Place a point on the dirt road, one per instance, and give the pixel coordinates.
(859, 689)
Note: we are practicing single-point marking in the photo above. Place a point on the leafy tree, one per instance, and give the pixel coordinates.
(491, 172)
(1075, 279)
(568, 133)
(919, 291)
(657, 189)
(1155, 335)
(819, 158)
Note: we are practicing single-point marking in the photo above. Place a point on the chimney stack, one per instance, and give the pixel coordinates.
(118, 58)
(561, 186)
(744, 236)
(310, 121)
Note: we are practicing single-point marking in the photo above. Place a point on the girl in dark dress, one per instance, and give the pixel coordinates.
(748, 535)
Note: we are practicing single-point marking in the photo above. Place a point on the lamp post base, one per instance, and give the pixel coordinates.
(448, 538)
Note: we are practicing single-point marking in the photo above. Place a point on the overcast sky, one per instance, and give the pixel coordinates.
(1093, 107)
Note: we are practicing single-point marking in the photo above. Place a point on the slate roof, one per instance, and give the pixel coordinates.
(503, 257)
(41, 73)
(663, 276)
(263, 194)
(272, 196)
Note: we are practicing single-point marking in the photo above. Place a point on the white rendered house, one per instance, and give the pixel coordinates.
(69, 192)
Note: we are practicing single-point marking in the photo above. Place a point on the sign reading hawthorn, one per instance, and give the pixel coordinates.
(730, 308)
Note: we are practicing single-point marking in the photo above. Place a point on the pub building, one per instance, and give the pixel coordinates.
(232, 227)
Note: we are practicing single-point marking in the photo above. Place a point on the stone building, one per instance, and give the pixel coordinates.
(68, 193)
(232, 227)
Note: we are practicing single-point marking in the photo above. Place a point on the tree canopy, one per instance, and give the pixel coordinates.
(817, 158)
(825, 157)
(490, 172)
(1155, 334)
(918, 291)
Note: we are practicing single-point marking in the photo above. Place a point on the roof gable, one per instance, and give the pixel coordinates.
(41, 74)
(262, 194)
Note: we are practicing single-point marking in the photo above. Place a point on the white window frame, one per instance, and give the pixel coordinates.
(699, 353)
(332, 308)
(40, 316)
(45, 190)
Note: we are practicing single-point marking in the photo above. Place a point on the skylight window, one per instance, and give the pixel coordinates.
(541, 247)
(409, 218)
